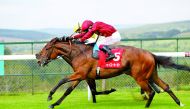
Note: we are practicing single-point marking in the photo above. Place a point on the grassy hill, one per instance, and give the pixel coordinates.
(184, 34)
(57, 31)
(164, 30)
(24, 34)
(12, 39)
(158, 30)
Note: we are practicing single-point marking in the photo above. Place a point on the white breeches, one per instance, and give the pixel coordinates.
(115, 37)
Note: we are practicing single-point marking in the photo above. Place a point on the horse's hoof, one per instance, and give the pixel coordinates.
(51, 106)
(144, 96)
(49, 98)
(147, 106)
(181, 104)
(113, 90)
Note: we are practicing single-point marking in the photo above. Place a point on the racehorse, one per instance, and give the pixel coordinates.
(138, 63)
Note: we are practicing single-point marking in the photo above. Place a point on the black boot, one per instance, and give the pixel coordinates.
(106, 49)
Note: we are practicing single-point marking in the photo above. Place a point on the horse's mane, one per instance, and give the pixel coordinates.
(76, 42)
(65, 39)
(72, 41)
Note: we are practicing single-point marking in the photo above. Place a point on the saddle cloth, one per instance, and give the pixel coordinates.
(114, 63)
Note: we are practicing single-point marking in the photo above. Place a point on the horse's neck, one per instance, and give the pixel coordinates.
(83, 48)
(80, 49)
(76, 51)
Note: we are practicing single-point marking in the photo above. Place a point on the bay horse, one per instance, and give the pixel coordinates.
(138, 63)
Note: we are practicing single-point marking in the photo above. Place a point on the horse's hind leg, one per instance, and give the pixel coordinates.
(106, 92)
(167, 89)
(153, 86)
(145, 87)
(143, 94)
(151, 96)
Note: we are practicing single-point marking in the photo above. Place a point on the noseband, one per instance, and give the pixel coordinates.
(46, 59)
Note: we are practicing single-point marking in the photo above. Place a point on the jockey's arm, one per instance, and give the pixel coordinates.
(78, 35)
(87, 35)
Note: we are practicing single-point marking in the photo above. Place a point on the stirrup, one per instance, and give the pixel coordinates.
(110, 57)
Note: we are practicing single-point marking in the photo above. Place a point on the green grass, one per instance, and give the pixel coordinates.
(121, 99)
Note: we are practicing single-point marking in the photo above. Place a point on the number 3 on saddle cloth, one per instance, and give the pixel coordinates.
(114, 63)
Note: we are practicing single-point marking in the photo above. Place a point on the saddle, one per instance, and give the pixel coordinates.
(114, 63)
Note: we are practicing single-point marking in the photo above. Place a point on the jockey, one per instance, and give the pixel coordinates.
(77, 30)
(105, 34)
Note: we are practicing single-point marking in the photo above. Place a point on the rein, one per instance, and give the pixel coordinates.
(70, 48)
(68, 57)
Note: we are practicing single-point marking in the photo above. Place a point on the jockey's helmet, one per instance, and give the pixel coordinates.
(86, 24)
(77, 28)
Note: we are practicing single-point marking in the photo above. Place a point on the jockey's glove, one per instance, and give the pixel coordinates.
(86, 41)
(78, 41)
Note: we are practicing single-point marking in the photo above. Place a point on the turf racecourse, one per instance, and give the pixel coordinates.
(121, 99)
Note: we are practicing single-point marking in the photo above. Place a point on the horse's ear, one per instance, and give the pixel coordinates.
(63, 38)
(55, 39)
(69, 38)
(58, 39)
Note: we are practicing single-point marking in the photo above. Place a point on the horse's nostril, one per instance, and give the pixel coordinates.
(39, 62)
(37, 56)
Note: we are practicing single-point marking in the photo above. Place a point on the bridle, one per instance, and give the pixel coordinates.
(46, 59)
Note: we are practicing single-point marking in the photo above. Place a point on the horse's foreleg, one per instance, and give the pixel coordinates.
(64, 80)
(73, 77)
(92, 85)
(68, 91)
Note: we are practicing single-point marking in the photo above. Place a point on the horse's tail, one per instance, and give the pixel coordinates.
(167, 62)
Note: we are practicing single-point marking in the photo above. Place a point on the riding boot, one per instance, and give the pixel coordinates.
(106, 49)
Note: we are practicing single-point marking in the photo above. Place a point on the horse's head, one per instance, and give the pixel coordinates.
(62, 47)
(47, 53)
(56, 47)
